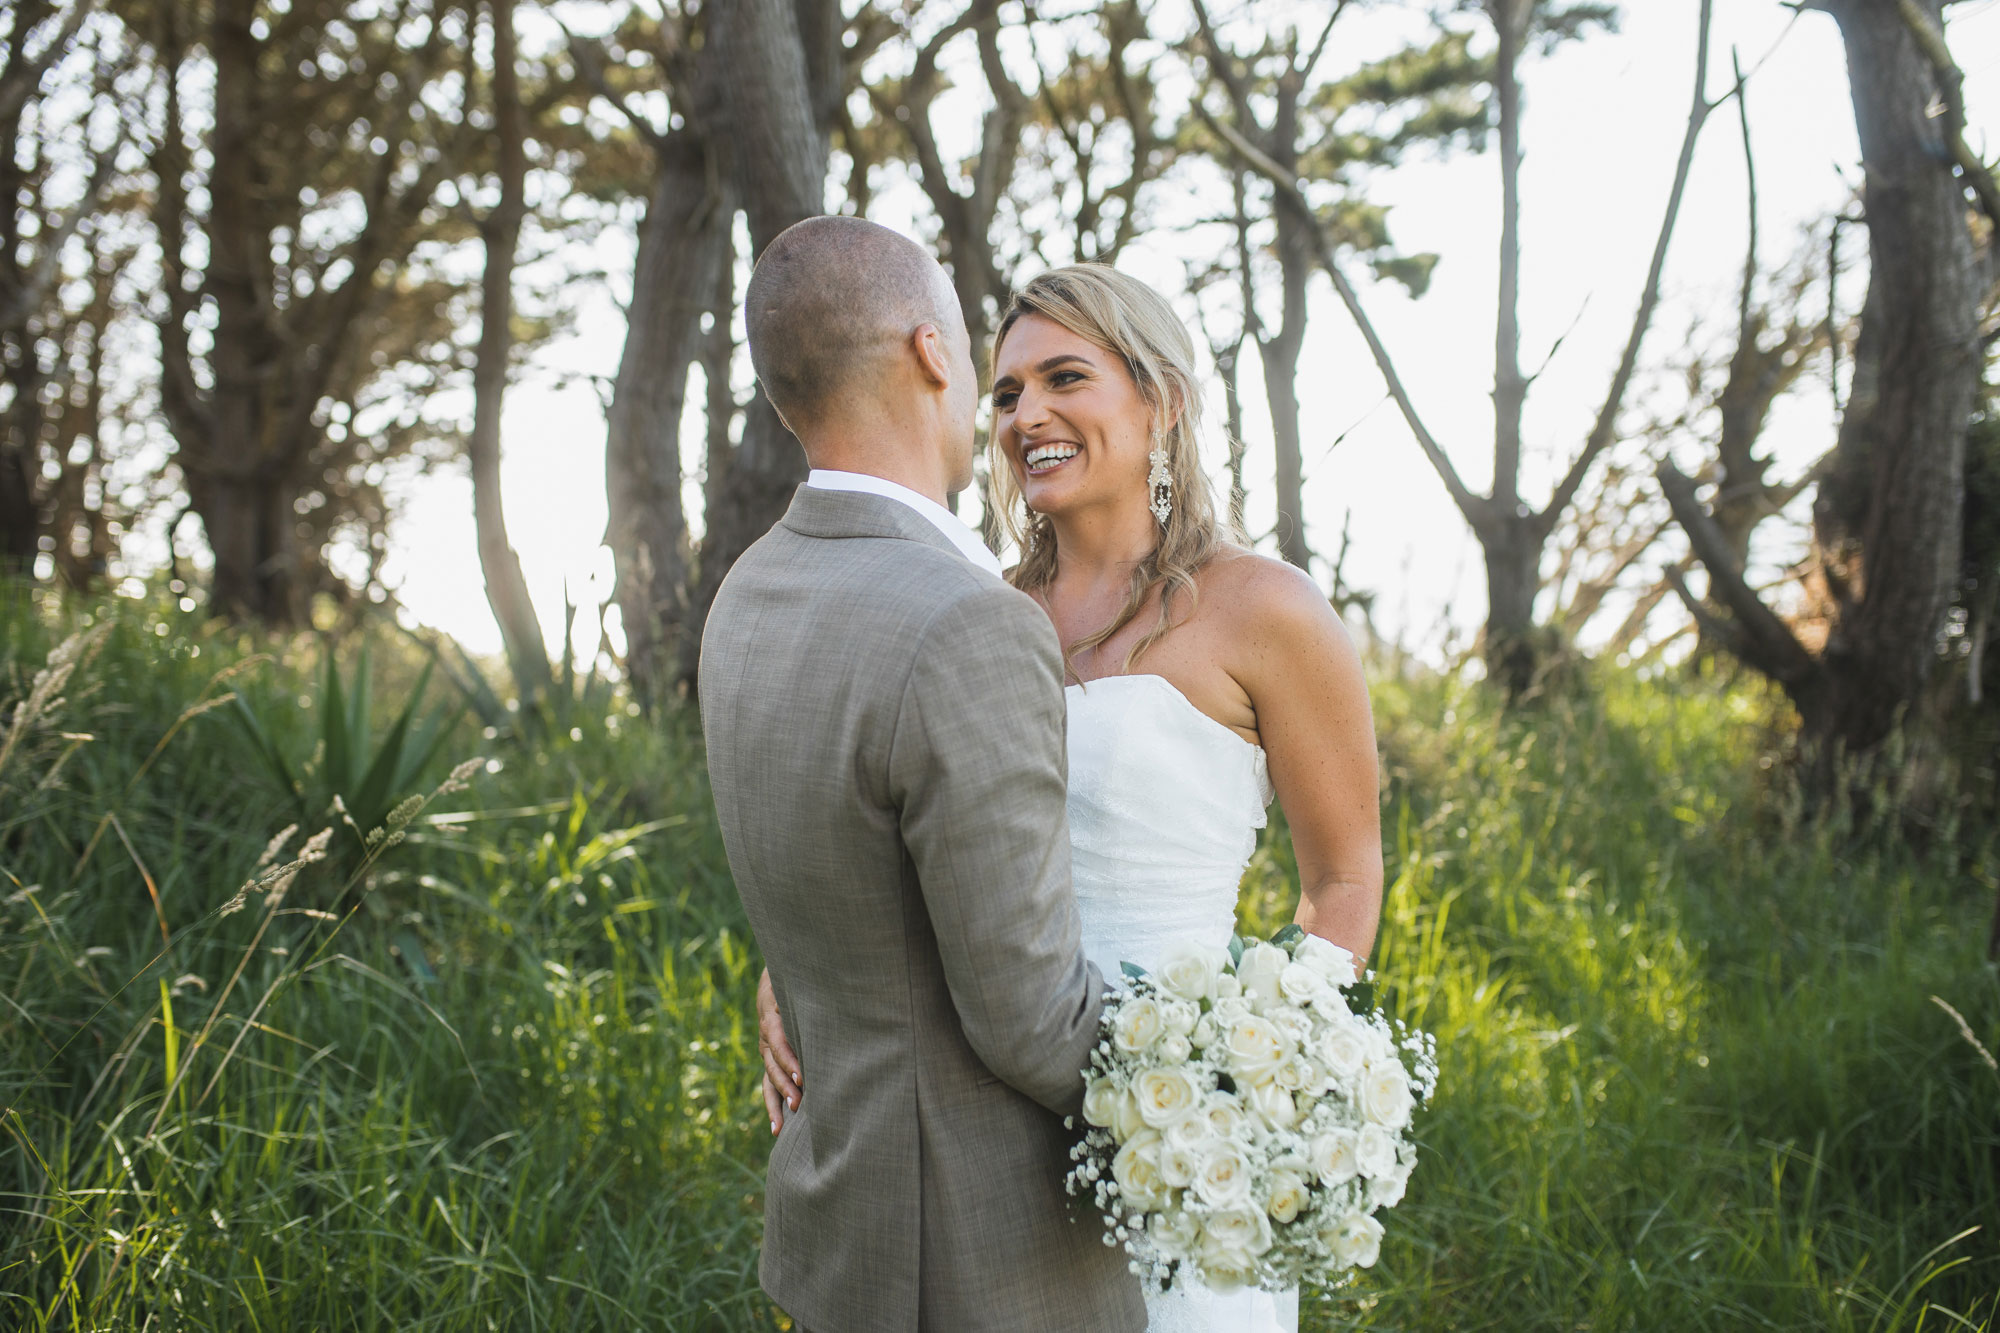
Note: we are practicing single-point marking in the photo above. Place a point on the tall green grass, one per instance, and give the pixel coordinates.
(510, 1083)
(1693, 1074)
(502, 1075)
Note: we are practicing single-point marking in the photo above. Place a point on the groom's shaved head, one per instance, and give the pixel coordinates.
(832, 297)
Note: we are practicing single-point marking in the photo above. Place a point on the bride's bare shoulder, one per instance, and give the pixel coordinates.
(1271, 604)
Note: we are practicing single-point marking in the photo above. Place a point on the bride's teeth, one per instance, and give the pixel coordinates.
(1052, 453)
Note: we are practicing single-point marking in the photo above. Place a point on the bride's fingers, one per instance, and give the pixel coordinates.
(783, 1082)
(779, 1061)
(772, 1105)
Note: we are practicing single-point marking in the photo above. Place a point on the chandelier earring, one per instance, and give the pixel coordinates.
(1160, 482)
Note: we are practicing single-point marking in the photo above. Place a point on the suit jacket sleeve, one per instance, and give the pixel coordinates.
(977, 767)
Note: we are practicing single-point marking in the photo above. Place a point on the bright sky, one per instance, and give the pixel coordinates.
(1603, 123)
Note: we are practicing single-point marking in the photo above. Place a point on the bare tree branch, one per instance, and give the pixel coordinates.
(1604, 431)
(1474, 507)
(1951, 87)
(1766, 642)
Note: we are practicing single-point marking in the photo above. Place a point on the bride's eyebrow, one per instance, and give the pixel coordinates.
(1044, 367)
(1063, 358)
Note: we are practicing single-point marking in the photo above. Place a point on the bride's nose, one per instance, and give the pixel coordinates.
(1029, 411)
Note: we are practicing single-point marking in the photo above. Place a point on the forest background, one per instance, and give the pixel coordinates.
(436, 1014)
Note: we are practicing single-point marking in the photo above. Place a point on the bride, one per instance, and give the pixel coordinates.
(1205, 679)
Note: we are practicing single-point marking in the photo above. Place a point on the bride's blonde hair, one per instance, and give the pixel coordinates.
(1129, 319)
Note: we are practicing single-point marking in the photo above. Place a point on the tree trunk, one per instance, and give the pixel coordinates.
(718, 355)
(19, 526)
(239, 478)
(683, 246)
(506, 589)
(1889, 512)
(20, 459)
(778, 156)
(1510, 390)
(1280, 359)
(1512, 551)
(1280, 352)
(1512, 547)
(1889, 515)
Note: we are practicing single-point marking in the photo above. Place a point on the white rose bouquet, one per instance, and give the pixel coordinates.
(1248, 1113)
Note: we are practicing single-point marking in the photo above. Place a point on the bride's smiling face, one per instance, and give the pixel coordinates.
(1069, 419)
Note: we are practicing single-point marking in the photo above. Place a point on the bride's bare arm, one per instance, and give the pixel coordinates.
(1294, 659)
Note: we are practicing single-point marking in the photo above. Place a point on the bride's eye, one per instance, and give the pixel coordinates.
(1004, 400)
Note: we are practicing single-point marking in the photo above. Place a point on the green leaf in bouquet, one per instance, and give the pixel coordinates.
(1288, 938)
(1133, 970)
(1360, 997)
(1235, 950)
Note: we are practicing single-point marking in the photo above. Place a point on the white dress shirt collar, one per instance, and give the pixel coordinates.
(960, 536)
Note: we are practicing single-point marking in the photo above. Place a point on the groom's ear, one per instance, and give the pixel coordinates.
(927, 341)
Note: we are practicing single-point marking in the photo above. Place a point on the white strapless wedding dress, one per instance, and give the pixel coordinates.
(1164, 807)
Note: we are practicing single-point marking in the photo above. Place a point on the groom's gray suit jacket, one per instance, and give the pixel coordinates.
(885, 744)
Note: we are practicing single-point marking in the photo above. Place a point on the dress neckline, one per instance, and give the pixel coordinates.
(1176, 692)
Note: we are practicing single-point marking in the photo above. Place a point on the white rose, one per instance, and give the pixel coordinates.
(1165, 1095)
(1274, 1104)
(1243, 1230)
(1175, 1049)
(1137, 1025)
(1300, 984)
(1333, 1156)
(1291, 1075)
(1136, 1168)
(1175, 1233)
(1179, 1165)
(1222, 1178)
(1387, 1192)
(1259, 969)
(1180, 1016)
(1224, 1114)
(1381, 1045)
(1100, 1102)
(1189, 971)
(1227, 987)
(1125, 1118)
(1296, 1024)
(1288, 1196)
(1325, 957)
(1255, 1049)
(1356, 1240)
(1375, 1152)
(1385, 1095)
(1191, 1132)
(1230, 1008)
(1343, 1050)
(1224, 1267)
(1205, 1032)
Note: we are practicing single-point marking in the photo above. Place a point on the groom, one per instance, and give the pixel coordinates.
(885, 742)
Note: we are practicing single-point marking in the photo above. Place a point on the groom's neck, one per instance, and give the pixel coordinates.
(918, 465)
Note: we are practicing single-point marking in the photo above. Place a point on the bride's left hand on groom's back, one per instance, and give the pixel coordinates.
(784, 1077)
